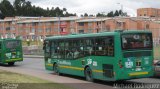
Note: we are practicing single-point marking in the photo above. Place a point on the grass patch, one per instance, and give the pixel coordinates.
(20, 81)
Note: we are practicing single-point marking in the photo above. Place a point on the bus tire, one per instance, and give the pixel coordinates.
(88, 74)
(11, 63)
(120, 81)
(56, 69)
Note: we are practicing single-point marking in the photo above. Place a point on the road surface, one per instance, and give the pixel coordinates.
(35, 67)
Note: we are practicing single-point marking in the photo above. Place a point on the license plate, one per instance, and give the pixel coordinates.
(138, 69)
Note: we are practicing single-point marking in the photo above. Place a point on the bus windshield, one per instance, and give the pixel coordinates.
(12, 44)
(136, 41)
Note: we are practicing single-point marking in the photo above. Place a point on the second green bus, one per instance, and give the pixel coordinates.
(108, 56)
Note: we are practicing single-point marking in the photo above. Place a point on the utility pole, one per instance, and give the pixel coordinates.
(121, 13)
(121, 9)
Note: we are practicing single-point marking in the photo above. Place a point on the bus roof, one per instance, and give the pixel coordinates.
(8, 39)
(97, 34)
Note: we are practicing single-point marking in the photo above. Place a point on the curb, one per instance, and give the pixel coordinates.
(32, 56)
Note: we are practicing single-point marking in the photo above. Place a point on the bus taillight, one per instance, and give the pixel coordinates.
(120, 64)
(114, 73)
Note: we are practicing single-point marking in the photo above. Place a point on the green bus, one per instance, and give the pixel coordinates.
(10, 51)
(108, 56)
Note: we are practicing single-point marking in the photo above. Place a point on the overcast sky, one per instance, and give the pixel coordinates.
(95, 6)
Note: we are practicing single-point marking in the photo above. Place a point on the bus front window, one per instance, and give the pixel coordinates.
(136, 41)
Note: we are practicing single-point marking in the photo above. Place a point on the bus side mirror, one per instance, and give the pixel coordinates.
(44, 46)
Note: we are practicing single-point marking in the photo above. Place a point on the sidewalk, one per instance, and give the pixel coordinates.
(33, 56)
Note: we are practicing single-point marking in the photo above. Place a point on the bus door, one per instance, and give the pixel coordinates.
(47, 50)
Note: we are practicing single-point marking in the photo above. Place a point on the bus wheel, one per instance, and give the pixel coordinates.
(89, 75)
(11, 63)
(56, 70)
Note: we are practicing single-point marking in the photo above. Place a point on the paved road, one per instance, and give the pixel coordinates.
(35, 67)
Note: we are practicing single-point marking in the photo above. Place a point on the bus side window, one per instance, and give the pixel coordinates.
(110, 46)
(99, 46)
(75, 49)
(104, 46)
(81, 48)
(60, 48)
(88, 47)
(47, 49)
(68, 49)
(54, 49)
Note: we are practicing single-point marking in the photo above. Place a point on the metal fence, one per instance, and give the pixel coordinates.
(33, 50)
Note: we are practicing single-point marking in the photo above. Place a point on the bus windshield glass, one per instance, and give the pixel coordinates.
(12, 44)
(136, 41)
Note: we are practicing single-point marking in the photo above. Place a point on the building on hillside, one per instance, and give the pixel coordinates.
(150, 12)
(37, 28)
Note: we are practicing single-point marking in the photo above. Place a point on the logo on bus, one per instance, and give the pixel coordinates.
(64, 62)
(129, 63)
(94, 63)
(89, 61)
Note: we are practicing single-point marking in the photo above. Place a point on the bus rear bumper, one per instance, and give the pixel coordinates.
(136, 75)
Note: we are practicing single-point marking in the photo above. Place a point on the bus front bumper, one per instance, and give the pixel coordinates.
(13, 60)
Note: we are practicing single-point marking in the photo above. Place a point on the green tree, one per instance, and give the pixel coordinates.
(120, 12)
(85, 15)
(1, 15)
(64, 10)
(125, 14)
(6, 8)
(52, 12)
(100, 15)
(18, 6)
(25, 8)
(58, 11)
(91, 15)
(82, 15)
(116, 13)
(110, 14)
